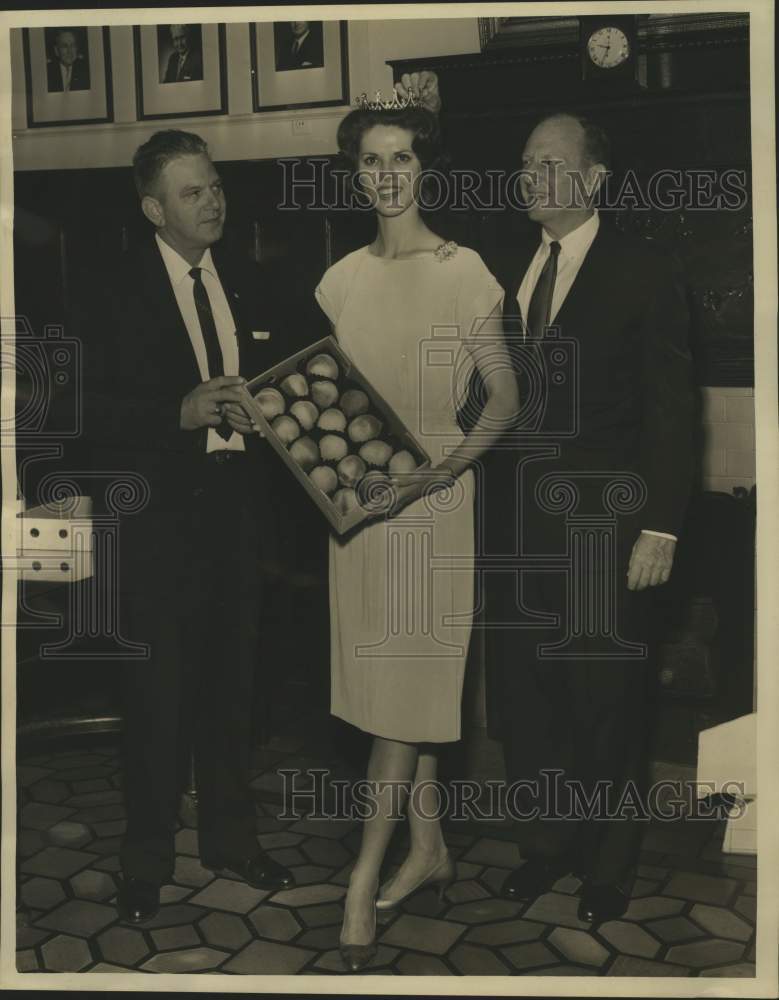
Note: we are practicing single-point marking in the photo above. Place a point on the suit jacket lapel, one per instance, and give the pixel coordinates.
(578, 291)
(171, 335)
(512, 314)
(237, 305)
(576, 299)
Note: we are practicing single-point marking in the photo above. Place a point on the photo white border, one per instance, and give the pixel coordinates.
(767, 451)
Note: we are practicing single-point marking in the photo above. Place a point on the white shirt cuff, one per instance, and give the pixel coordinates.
(659, 534)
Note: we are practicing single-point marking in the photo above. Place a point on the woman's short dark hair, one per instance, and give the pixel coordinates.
(423, 124)
(164, 146)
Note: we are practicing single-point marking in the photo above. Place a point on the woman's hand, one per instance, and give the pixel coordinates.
(412, 486)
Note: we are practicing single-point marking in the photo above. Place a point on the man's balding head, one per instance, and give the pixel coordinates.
(593, 143)
(179, 35)
(66, 46)
(564, 161)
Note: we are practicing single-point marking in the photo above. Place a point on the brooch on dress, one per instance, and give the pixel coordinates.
(446, 251)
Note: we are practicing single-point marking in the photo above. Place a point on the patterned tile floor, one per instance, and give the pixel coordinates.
(692, 912)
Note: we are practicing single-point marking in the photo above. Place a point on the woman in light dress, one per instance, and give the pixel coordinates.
(415, 315)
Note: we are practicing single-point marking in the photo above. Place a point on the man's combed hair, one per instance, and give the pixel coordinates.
(150, 158)
(59, 32)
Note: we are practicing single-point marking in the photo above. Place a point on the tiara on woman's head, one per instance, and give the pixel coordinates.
(396, 104)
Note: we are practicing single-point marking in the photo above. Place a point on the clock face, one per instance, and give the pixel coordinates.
(608, 47)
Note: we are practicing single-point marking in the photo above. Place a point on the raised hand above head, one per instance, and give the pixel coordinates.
(425, 85)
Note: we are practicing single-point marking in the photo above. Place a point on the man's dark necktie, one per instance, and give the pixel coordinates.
(210, 337)
(540, 308)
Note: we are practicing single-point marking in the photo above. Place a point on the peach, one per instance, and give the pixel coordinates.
(270, 402)
(295, 385)
(354, 402)
(324, 366)
(324, 478)
(305, 413)
(351, 470)
(324, 393)
(332, 420)
(287, 429)
(333, 447)
(402, 461)
(364, 428)
(305, 453)
(376, 453)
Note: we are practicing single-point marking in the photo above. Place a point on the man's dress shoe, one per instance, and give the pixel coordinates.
(534, 878)
(138, 901)
(601, 902)
(259, 871)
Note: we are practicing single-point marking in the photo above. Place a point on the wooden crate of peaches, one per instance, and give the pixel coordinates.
(336, 434)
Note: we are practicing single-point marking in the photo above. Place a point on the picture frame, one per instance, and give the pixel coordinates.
(67, 75)
(501, 33)
(293, 69)
(180, 70)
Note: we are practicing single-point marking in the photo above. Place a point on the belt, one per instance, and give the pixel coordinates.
(224, 456)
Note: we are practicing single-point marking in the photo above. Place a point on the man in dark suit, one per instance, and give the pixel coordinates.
(186, 60)
(592, 486)
(68, 70)
(172, 331)
(572, 691)
(300, 46)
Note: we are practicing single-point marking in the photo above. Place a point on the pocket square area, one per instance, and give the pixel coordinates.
(260, 334)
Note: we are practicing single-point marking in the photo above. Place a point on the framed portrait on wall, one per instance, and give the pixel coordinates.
(67, 75)
(180, 70)
(299, 64)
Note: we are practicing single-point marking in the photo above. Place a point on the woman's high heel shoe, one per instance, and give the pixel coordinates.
(357, 956)
(442, 875)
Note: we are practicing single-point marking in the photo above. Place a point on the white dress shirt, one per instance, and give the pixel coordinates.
(573, 250)
(183, 288)
(297, 45)
(66, 73)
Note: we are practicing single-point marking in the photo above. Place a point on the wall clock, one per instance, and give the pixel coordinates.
(609, 48)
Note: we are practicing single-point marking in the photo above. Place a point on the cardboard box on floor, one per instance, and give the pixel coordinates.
(727, 759)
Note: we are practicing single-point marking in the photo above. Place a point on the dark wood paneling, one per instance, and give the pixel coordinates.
(693, 115)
